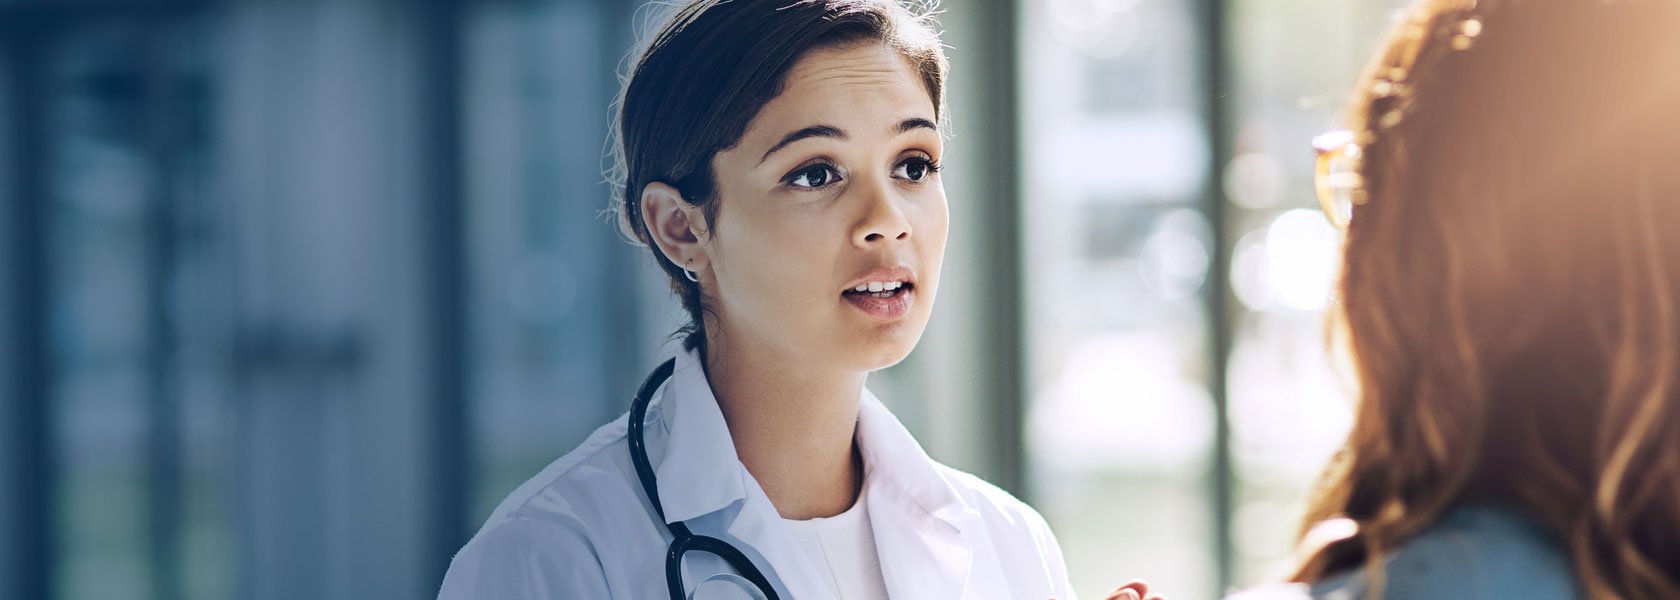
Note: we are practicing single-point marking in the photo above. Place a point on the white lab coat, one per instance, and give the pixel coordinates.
(582, 528)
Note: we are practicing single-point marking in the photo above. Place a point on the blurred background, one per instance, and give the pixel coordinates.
(292, 293)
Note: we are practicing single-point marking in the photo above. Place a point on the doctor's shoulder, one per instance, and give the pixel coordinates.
(546, 538)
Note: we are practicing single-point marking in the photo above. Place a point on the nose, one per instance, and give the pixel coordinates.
(882, 219)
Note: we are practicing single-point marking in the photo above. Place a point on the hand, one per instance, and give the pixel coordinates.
(1137, 589)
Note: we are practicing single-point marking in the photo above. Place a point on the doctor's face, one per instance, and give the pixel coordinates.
(832, 220)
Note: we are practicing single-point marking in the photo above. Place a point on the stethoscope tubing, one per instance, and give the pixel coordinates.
(683, 540)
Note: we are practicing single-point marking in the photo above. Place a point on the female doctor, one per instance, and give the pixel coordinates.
(781, 160)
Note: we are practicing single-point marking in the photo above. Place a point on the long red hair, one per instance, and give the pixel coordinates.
(1511, 287)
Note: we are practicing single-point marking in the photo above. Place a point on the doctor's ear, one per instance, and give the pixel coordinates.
(677, 227)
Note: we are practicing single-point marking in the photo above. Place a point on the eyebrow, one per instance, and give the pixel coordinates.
(830, 131)
(908, 125)
(824, 131)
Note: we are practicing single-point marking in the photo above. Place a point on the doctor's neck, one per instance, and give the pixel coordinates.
(793, 424)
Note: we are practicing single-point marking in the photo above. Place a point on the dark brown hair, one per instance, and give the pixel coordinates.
(706, 74)
(1511, 287)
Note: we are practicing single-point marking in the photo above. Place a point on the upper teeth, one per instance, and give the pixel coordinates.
(878, 286)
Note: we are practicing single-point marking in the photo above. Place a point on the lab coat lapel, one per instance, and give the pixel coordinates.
(922, 556)
(923, 530)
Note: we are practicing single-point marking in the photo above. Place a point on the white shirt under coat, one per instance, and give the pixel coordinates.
(842, 548)
(582, 528)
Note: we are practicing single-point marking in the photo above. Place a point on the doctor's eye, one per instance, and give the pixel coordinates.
(813, 176)
(916, 168)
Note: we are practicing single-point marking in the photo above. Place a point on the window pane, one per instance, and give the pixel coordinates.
(567, 316)
(138, 396)
(98, 180)
(1121, 421)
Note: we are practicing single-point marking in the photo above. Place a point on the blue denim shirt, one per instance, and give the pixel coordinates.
(1471, 553)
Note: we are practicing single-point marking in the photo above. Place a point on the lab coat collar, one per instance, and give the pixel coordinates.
(898, 463)
(700, 473)
(924, 532)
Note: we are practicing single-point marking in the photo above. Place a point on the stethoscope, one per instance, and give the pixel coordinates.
(682, 540)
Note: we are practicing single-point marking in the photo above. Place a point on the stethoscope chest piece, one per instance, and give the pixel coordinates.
(726, 586)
